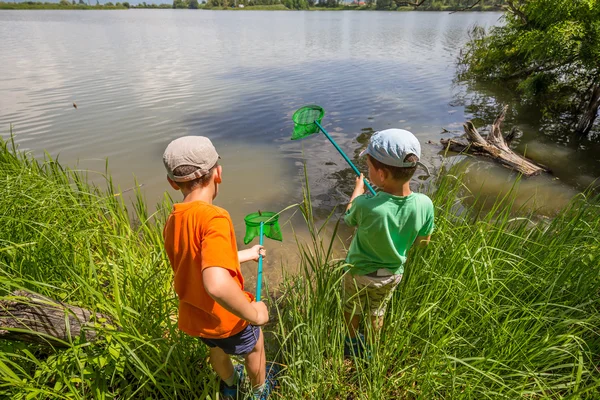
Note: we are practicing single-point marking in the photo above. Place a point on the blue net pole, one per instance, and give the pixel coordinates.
(356, 171)
(260, 264)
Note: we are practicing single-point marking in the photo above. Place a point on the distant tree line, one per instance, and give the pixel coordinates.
(77, 5)
(191, 4)
(429, 5)
(63, 5)
(150, 5)
(272, 4)
(290, 4)
(438, 5)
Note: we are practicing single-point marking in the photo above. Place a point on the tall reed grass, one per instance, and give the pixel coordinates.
(496, 307)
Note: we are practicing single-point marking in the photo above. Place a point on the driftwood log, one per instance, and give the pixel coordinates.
(30, 317)
(494, 146)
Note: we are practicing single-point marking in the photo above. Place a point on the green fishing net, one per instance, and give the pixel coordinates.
(271, 227)
(304, 121)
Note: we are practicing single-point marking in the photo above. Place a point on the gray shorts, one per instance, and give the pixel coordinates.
(364, 294)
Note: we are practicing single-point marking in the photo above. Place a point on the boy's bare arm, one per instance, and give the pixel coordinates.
(422, 241)
(359, 188)
(252, 253)
(224, 290)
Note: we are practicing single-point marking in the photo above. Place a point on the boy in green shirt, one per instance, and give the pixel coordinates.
(387, 226)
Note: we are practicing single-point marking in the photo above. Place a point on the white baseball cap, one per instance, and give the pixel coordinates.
(392, 146)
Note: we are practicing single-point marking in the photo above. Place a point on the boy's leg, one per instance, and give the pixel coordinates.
(256, 361)
(221, 363)
(376, 322)
(353, 301)
(376, 325)
(380, 294)
(352, 322)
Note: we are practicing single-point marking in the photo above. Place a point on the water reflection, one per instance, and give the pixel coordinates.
(485, 183)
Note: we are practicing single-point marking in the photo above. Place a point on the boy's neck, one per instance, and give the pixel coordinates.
(205, 194)
(395, 188)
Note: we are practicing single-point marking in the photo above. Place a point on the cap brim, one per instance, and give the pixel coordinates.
(364, 152)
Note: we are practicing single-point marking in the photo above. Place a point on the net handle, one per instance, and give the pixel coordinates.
(260, 264)
(356, 171)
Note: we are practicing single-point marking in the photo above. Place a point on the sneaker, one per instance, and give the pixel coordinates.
(231, 392)
(356, 347)
(270, 381)
(273, 371)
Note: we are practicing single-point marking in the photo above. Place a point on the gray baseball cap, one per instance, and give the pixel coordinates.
(197, 151)
(391, 146)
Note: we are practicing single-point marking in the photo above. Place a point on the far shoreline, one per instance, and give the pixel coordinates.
(277, 7)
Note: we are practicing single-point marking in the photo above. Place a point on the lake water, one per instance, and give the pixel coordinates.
(141, 78)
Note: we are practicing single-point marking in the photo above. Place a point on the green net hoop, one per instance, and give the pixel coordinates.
(304, 121)
(271, 227)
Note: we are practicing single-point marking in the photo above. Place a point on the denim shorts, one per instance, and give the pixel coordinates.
(239, 344)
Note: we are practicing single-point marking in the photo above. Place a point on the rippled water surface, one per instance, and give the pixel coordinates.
(141, 78)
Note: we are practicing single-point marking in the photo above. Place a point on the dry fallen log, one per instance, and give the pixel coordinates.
(493, 146)
(30, 317)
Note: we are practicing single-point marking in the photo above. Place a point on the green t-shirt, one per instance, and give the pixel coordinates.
(387, 226)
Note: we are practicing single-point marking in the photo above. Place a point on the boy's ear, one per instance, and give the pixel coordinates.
(173, 184)
(383, 174)
(219, 174)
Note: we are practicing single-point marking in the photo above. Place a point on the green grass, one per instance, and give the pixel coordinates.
(496, 307)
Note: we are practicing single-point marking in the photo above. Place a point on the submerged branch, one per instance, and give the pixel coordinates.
(495, 146)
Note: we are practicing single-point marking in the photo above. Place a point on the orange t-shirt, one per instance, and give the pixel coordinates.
(199, 235)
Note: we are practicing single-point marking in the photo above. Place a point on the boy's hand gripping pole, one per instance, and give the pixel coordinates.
(356, 171)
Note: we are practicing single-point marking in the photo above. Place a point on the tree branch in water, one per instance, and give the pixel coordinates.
(493, 146)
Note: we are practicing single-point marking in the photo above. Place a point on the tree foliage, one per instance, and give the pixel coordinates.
(438, 5)
(296, 4)
(549, 52)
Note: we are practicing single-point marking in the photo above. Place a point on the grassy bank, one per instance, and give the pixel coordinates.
(496, 307)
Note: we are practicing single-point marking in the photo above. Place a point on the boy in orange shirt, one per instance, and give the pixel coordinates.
(201, 245)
